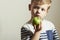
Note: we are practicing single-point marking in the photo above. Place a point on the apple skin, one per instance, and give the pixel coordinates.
(36, 20)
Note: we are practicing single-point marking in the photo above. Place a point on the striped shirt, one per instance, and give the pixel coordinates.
(48, 31)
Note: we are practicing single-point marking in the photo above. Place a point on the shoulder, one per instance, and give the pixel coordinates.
(48, 24)
(28, 26)
(25, 26)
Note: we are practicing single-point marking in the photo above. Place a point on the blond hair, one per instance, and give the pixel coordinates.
(41, 1)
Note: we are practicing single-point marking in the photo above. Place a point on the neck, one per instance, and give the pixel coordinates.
(30, 21)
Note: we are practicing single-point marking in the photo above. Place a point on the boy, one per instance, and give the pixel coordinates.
(43, 31)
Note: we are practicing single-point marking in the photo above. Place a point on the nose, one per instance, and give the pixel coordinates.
(37, 12)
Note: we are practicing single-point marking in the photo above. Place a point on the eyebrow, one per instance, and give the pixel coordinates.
(36, 7)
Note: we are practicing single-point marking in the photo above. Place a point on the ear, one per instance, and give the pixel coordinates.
(49, 6)
(29, 6)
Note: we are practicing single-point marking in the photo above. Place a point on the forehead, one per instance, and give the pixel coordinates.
(37, 3)
(42, 6)
(41, 3)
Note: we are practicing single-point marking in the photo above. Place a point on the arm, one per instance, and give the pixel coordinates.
(55, 34)
(36, 35)
(25, 34)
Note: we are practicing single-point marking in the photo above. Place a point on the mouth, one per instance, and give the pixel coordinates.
(37, 14)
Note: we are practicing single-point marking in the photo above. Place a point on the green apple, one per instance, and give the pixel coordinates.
(36, 20)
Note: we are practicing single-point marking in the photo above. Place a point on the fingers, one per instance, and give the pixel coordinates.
(34, 26)
(37, 27)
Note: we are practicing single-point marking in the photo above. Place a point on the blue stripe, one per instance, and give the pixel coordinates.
(43, 33)
(56, 38)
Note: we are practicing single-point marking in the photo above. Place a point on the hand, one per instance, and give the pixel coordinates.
(37, 27)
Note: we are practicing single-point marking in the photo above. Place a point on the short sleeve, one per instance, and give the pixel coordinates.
(25, 34)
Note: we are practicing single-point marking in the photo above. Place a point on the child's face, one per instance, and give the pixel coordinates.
(39, 10)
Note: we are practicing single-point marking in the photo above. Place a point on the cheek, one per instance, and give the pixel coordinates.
(35, 11)
(43, 14)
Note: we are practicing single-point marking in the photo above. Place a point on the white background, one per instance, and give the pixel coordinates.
(14, 13)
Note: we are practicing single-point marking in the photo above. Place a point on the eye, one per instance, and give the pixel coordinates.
(42, 9)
